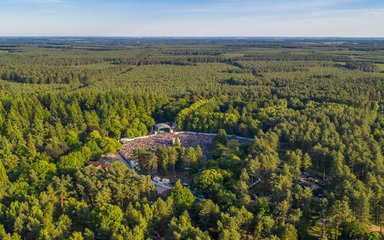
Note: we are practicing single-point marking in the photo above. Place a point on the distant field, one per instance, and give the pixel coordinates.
(381, 67)
(233, 55)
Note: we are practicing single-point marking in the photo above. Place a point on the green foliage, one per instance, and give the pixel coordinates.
(362, 66)
(3, 174)
(311, 110)
(181, 228)
(167, 159)
(182, 197)
(355, 230)
(181, 117)
(106, 219)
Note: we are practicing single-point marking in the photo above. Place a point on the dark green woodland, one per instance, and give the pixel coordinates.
(313, 107)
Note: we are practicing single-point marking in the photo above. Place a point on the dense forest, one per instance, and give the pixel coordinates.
(314, 107)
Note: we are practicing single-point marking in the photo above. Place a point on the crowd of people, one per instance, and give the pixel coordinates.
(188, 140)
(155, 141)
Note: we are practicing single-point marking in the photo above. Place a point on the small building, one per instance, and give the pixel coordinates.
(157, 179)
(163, 128)
(166, 181)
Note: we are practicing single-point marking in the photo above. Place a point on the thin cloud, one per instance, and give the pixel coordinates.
(38, 1)
(197, 18)
(253, 7)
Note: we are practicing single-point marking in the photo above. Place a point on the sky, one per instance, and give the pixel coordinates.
(183, 18)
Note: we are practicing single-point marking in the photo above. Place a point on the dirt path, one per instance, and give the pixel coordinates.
(122, 160)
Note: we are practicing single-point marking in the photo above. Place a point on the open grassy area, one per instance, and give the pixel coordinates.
(381, 67)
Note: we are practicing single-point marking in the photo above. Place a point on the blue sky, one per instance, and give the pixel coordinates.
(312, 18)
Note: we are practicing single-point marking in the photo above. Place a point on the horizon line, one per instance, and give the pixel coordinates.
(187, 36)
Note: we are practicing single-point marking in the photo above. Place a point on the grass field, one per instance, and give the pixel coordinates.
(381, 67)
(232, 55)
